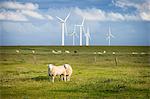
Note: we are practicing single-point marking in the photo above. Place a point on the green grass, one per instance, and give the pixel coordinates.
(24, 75)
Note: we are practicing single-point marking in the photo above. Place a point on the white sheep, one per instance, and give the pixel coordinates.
(100, 53)
(33, 51)
(104, 51)
(134, 53)
(143, 53)
(56, 52)
(59, 51)
(67, 52)
(64, 70)
(17, 51)
(113, 53)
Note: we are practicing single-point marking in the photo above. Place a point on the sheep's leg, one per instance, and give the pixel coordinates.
(65, 78)
(53, 79)
(68, 78)
(61, 77)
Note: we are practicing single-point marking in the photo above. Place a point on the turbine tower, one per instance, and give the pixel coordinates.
(109, 35)
(73, 34)
(63, 27)
(81, 26)
(88, 37)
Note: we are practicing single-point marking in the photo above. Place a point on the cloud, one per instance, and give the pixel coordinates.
(49, 17)
(12, 16)
(100, 15)
(32, 14)
(145, 15)
(15, 11)
(143, 8)
(124, 3)
(17, 5)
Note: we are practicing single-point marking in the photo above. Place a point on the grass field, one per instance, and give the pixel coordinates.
(23, 75)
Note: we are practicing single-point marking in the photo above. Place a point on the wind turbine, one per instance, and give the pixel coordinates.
(73, 34)
(88, 37)
(81, 26)
(109, 35)
(63, 27)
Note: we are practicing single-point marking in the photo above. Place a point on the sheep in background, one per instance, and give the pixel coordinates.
(63, 71)
(17, 51)
(67, 52)
(113, 53)
(104, 51)
(134, 53)
(56, 52)
(100, 53)
(59, 51)
(53, 51)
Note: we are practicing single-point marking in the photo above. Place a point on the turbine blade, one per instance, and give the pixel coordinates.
(59, 19)
(89, 35)
(67, 17)
(112, 35)
(83, 21)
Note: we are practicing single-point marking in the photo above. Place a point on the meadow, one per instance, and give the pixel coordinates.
(122, 75)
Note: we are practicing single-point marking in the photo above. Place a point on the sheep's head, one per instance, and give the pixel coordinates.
(66, 66)
(50, 66)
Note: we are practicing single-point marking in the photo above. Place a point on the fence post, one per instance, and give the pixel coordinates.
(116, 60)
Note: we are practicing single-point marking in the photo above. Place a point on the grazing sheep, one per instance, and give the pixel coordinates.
(17, 51)
(33, 51)
(64, 70)
(134, 53)
(143, 53)
(67, 51)
(75, 51)
(56, 52)
(104, 51)
(113, 53)
(59, 52)
(100, 53)
(53, 51)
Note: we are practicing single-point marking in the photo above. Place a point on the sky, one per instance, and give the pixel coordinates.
(34, 22)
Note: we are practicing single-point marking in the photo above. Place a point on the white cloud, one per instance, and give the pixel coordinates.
(124, 3)
(90, 14)
(12, 16)
(32, 14)
(100, 15)
(143, 8)
(21, 11)
(145, 16)
(144, 11)
(114, 16)
(49, 17)
(17, 5)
